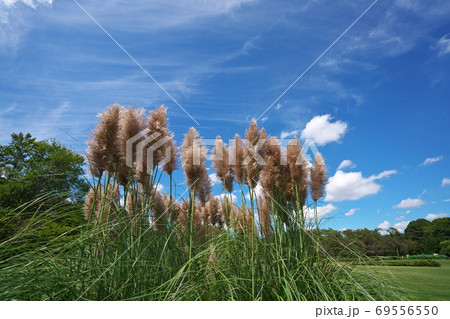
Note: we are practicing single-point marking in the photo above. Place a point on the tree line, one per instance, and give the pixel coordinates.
(421, 236)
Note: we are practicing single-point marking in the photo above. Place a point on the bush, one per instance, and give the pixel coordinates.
(413, 263)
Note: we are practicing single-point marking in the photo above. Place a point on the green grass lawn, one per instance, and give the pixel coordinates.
(420, 283)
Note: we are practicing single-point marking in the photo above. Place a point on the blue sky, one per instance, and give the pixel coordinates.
(379, 98)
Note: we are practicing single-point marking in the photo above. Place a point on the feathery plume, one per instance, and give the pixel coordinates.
(103, 148)
(204, 191)
(270, 173)
(131, 123)
(172, 164)
(264, 216)
(239, 157)
(298, 169)
(253, 168)
(182, 217)
(198, 216)
(221, 163)
(318, 178)
(159, 212)
(193, 171)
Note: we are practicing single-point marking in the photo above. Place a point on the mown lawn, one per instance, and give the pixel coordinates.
(420, 283)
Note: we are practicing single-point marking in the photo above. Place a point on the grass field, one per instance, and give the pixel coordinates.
(420, 283)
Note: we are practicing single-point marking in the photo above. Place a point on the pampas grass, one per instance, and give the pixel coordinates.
(140, 244)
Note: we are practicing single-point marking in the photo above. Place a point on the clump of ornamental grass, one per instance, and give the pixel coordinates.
(141, 244)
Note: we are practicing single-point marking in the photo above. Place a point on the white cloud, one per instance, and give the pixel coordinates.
(431, 217)
(410, 202)
(30, 3)
(322, 131)
(214, 178)
(352, 185)
(446, 181)
(221, 196)
(407, 212)
(431, 160)
(446, 200)
(443, 45)
(401, 226)
(321, 211)
(278, 106)
(346, 163)
(287, 134)
(264, 119)
(351, 212)
(400, 218)
(384, 225)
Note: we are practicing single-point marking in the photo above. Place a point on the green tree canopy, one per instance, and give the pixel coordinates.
(29, 168)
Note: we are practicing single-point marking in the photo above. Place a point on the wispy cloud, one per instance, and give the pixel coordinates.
(431, 160)
(346, 164)
(286, 134)
(30, 3)
(351, 212)
(443, 45)
(431, 217)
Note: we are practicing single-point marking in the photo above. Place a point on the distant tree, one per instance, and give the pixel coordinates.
(437, 232)
(444, 247)
(416, 230)
(29, 168)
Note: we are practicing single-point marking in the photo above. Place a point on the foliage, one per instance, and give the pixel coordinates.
(29, 168)
(413, 263)
(33, 170)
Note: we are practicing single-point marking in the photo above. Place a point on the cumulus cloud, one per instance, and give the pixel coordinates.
(346, 163)
(431, 217)
(446, 181)
(443, 45)
(401, 226)
(321, 211)
(322, 131)
(351, 212)
(353, 186)
(431, 160)
(384, 225)
(410, 202)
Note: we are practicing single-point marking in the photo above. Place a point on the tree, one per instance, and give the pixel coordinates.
(416, 230)
(41, 189)
(29, 168)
